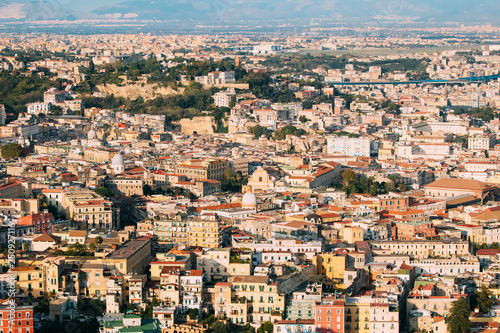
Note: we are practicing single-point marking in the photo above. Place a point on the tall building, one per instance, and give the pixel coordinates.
(330, 316)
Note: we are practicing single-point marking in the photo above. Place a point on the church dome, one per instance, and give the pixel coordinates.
(91, 135)
(249, 200)
(118, 164)
(117, 160)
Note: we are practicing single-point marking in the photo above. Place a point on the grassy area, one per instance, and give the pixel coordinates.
(387, 51)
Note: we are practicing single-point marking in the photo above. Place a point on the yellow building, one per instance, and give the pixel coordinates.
(94, 213)
(95, 281)
(333, 267)
(132, 257)
(208, 168)
(357, 316)
(248, 298)
(30, 281)
(204, 233)
(351, 234)
(99, 155)
(260, 180)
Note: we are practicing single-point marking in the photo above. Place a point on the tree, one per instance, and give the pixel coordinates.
(26, 246)
(484, 299)
(303, 119)
(229, 173)
(221, 327)
(103, 191)
(349, 178)
(11, 150)
(98, 240)
(266, 327)
(458, 319)
(193, 314)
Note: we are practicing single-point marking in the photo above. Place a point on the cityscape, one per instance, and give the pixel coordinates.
(248, 166)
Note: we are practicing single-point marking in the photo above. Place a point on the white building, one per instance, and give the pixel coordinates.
(382, 319)
(223, 98)
(479, 143)
(191, 288)
(349, 146)
(37, 108)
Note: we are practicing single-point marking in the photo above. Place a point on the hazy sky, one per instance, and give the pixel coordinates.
(441, 10)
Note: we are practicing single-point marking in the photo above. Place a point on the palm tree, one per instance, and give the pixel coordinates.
(26, 246)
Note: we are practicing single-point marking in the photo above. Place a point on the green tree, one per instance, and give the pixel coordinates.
(303, 119)
(11, 150)
(193, 314)
(221, 327)
(484, 299)
(349, 178)
(266, 327)
(98, 240)
(458, 318)
(103, 191)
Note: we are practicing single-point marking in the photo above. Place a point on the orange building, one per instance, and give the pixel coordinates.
(19, 321)
(329, 316)
(414, 230)
(42, 223)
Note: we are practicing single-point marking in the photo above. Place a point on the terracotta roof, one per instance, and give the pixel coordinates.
(47, 238)
(457, 183)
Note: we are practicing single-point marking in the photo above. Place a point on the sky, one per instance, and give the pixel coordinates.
(483, 11)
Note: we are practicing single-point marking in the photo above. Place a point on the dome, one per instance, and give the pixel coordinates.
(249, 200)
(91, 135)
(117, 160)
(117, 164)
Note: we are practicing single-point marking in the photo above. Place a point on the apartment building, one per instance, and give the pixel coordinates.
(446, 266)
(248, 298)
(17, 206)
(132, 257)
(22, 322)
(480, 142)
(224, 98)
(41, 223)
(30, 281)
(196, 232)
(203, 169)
(95, 280)
(333, 267)
(348, 146)
(125, 186)
(94, 214)
(422, 249)
(37, 108)
(220, 263)
(383, 318)
(330, 316)
(99, 155)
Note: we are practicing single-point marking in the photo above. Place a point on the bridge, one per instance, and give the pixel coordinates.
(472, 79)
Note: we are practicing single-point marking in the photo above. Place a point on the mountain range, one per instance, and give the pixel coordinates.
(466, 11)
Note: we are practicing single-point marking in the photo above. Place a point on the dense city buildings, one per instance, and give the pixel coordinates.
(323, 180)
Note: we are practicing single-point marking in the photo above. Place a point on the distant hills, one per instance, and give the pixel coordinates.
(483, 11)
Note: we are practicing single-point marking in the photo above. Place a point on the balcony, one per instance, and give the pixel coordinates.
(240, 300)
